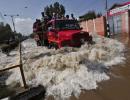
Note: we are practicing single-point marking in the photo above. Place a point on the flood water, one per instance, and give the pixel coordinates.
(118, 87)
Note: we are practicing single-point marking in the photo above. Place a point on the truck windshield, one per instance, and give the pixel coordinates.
(67, 25)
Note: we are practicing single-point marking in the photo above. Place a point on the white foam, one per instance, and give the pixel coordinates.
(6, 61)
(68, 70)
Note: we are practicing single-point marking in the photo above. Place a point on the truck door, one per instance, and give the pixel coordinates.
(52, 32)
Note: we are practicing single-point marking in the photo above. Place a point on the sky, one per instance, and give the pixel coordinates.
(34, 8)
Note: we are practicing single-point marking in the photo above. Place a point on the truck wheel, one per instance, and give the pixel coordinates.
(38, 43)
(56, 46)
(46, 43)
(90, 40)
(49, 46)
(53, 45)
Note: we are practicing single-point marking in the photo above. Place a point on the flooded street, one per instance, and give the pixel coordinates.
(118, 87)
(58, 50)
(95, 75)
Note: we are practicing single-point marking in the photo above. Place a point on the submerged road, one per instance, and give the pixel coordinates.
(118, 87)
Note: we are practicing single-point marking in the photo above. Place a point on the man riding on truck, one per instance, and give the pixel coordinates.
(60, 32)
(44, 21)
(37, 29)
(40, 29)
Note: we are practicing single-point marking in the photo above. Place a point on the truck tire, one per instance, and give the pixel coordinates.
(38, 43)
(56, 46)
(53, 45)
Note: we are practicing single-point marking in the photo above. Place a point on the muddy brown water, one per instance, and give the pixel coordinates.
(118, 87)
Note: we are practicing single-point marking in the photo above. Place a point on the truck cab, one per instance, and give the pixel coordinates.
(66, 32)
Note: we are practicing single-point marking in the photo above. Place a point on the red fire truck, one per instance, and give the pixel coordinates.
(65, 32)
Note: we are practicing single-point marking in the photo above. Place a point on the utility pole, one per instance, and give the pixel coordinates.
(20, 53)
(107, 23)
(106, 5)
(12, 18)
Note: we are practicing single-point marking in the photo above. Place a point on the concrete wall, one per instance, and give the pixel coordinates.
(96, 25)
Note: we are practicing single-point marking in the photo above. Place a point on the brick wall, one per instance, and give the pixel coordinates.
(123, 18)
(83, 25)
(126, 24)
(97, 25)
(129, 23)
(90, 26)
(129, 26)
(100, 25)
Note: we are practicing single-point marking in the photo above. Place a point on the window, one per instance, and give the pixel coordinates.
(67, 25)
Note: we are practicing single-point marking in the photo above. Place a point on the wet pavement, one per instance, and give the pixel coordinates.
(118, 87)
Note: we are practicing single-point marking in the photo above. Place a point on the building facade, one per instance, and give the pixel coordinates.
(119, 19)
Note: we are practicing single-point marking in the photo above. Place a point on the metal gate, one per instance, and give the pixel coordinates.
(115, 23)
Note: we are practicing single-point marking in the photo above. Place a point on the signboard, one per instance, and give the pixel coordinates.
(120, 9)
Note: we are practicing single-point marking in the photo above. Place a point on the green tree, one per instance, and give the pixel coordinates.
(90, 15)
(62, 10)
(5, 32)
(56, 8)
(99, 15)
(47, 10)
